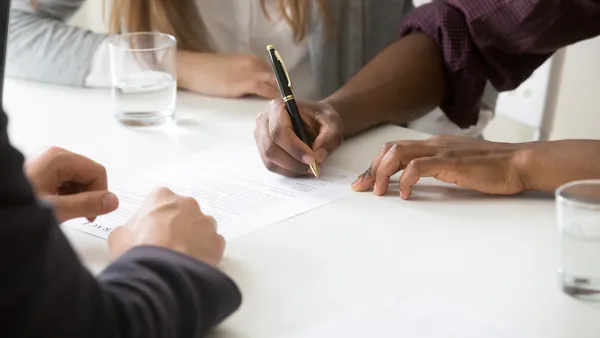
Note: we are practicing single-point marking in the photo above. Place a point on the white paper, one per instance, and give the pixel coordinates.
(232, 185)
(412, 317)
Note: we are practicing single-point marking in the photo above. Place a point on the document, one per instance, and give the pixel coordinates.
(232, 185)
(412, 316)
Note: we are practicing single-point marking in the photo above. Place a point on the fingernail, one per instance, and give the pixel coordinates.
(403, 195)
(321, 155)
(110, 201)
(308, 159)
(356, 183)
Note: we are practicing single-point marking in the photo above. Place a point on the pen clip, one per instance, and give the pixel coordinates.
(284, 69)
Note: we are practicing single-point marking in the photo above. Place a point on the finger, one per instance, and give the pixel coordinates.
(274, 158)
(263, 89)
(78, 169)
(445, 169)
(282, 133)
(268, 77)
(278, 169)
(397, 158)
(212, 222)
(366, 180)
(329, 138)
(87, 204)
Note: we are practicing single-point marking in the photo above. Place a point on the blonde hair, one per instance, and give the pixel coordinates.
(180, 18)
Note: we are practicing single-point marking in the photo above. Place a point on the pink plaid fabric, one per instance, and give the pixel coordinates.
(502, 41)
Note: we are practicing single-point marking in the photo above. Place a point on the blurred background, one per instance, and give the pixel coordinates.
(559, 101)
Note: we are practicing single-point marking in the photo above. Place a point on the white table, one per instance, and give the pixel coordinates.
(497, 255)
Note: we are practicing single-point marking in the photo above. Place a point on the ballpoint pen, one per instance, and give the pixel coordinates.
(285, 86)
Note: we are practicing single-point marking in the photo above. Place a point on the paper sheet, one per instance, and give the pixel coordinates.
(412, 317)
(230, 184)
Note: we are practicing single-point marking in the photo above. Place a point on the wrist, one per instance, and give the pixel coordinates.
(183, 63)
(354, 117)
(524, 164)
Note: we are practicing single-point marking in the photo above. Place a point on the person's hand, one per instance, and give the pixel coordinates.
(226, 75)
(173, 222)
(75, 185)
(282, 151)
(495, 168)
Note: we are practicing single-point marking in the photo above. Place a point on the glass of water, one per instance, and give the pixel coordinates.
(578, 212)
(144, 78)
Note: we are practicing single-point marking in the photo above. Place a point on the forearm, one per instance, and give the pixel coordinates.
(547, 165)
(404, 82)
(202, 63)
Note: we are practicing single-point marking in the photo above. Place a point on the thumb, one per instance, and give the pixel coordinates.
(326, 143)
(86, 204)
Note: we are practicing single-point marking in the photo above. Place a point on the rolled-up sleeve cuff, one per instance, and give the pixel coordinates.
(465, 68)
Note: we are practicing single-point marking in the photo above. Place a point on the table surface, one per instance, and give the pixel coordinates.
(496, 255)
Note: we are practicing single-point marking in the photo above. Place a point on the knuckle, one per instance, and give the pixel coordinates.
(270, 149)
(190, 202)
(275, 105)
(414, 165)
(276, 133)
(163, 192)
(212, 220)
(55, 150)
(260, 117)
(386, 146)
(396, 148)
(208, 222)
(101, 168)
(272, 167)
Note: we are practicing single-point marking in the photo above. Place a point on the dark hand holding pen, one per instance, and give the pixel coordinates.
(291, 136)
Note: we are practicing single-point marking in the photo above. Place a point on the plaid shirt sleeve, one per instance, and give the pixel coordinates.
(502, 41)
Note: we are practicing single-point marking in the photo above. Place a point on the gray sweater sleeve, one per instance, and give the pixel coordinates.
(43, 47)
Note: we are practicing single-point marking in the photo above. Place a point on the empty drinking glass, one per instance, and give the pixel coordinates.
(578, 212)
(144, 78)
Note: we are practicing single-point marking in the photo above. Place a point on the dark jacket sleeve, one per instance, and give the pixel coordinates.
(498, 40)
(46, 292)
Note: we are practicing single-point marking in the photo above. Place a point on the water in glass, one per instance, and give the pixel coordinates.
(145, 98)
(578, 211)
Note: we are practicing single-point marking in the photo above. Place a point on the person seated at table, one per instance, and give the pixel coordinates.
(221, 44)
(448, 50)
(162, 283)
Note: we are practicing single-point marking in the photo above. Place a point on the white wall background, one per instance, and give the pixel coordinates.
(577, 108)
(574, 97)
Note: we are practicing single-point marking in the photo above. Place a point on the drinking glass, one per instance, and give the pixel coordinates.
(578, 212)
(144, 78)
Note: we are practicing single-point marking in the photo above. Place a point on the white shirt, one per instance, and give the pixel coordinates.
(240, 27)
